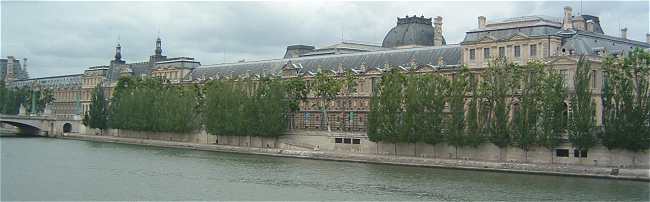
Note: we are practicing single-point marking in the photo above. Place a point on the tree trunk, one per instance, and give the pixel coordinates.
(551, 150)
(433, 149)
(415, 149)
(526, 155)
(456, 148)
(377, 147)
(395, 144)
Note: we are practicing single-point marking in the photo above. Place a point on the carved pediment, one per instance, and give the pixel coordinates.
(373, 70)
(488, 39)
(562, 60)
(518, 36)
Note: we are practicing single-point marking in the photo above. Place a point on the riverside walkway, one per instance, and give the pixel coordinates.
(637, 174)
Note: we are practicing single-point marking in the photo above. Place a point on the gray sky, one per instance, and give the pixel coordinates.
(67, 37)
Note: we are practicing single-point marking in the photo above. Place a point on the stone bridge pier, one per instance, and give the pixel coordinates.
(41, 125)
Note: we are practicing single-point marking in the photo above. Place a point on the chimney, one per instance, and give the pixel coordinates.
(579, 23)
(437, 36)
(567, 22)
(481, 22)
(647, 38)
(624, 33)
(295, 51)
(590, 25)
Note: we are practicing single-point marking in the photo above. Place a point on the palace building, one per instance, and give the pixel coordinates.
(414, 44)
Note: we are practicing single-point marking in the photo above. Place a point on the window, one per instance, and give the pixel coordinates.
(338, 140)
(580, 154)
(347, 140)
(356, 141)
(593, 78)
(533, 50)
(562, 152)
(472, 54)
(486, 53)
(517, 51)
(502, 51)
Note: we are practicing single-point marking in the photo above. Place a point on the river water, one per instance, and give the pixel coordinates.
(56, 169)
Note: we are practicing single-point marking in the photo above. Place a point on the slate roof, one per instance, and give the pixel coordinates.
(410, 31)
(73, 80)
(588, 42)
(400, 57)
(343, 48)
(522, 21)
(504, 34)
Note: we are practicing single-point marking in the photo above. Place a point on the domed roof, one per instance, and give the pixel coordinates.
(410, 31)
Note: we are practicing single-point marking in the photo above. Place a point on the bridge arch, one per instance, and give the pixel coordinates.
(67, 127)
(24, 128)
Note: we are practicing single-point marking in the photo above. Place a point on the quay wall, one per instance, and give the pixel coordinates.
(358, 143)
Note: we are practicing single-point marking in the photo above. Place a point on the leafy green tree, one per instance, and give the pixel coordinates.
(327, 88)
(412, 108)
(149, 104)
(526, 115)
(626, 102)
(247, 107)
(553, 94)
(386, 117)
(432, 97)
(497, 81)
(474, 131)
(97, 116)
(582, 119)
(296, 92)
(456, 134)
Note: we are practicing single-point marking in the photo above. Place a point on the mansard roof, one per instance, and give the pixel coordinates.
(73, 80)
(451, 54)
(505, 34)
(587, 43)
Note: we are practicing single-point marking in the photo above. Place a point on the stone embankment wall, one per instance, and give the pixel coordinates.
(359, 143)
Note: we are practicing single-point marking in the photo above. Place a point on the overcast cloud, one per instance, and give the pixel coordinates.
(67, 37)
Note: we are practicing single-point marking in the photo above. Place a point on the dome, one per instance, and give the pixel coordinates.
(410, 31)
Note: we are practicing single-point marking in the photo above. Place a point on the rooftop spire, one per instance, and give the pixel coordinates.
(158, 50)
(118, 52)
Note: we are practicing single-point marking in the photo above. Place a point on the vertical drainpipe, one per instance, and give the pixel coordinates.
(548, 50)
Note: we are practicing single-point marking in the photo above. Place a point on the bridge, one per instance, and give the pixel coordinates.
(40, 125)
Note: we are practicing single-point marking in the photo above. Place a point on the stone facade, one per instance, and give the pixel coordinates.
(557, 42)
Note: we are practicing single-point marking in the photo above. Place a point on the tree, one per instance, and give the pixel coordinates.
(553, 93)
(474, 127)
(327, 88)
(97, 115)
(350, 82)
(456, 100)
(497, 85)
(296, 90)
(625, 102)
(149, 104)
(386, 117)
(582, 116)
(526, 115)
(432, 96)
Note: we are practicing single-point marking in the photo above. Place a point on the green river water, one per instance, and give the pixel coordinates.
(56, 169)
